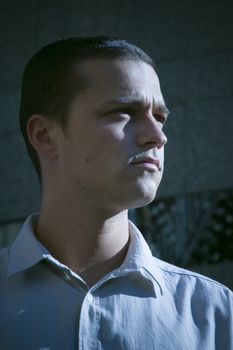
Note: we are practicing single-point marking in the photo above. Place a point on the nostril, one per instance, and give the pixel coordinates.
(163, 143)
(164, 140)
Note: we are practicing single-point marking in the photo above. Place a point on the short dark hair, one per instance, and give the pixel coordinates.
(49, 83)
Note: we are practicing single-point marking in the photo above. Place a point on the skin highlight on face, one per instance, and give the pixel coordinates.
(119, 117)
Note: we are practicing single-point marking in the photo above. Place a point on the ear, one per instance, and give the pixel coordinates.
(41, 135)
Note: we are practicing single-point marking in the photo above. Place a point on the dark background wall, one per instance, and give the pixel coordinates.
(191, 41)
(192, 44)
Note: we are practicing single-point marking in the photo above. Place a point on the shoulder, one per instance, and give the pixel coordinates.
(183, 282)
(198, 303)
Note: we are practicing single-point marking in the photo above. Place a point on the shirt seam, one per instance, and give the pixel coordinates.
(197, 276)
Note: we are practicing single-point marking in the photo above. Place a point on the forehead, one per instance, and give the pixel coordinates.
(108, 79)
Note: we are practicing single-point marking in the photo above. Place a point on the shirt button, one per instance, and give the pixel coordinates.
(90, 298)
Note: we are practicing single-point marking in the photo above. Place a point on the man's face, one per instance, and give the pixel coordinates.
(112, 153)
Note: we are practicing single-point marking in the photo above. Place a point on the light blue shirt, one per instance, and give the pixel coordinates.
(144, 304)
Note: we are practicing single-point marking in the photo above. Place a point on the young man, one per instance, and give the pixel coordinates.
(80, 275)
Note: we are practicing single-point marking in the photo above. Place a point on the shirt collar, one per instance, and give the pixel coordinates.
(139, 258)
(26, 251)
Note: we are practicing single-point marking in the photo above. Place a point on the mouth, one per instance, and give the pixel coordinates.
(148, 163)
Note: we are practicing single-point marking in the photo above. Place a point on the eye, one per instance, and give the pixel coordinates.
(161, 119)
(121, 114)
(126, 111)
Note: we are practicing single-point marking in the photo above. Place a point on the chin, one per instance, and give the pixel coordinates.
(143, 195)
(142, 202)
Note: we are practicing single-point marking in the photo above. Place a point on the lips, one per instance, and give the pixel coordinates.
(147, 161)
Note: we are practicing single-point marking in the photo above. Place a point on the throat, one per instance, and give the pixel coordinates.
(91, 248)
(93, 273)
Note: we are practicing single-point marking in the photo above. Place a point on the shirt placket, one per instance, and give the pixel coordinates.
(89, 322)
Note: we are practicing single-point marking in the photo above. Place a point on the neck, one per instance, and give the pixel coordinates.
(89, 240)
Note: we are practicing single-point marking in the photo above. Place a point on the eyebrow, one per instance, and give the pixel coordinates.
(131, 100)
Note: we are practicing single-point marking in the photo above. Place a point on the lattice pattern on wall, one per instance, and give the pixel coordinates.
(190, 229)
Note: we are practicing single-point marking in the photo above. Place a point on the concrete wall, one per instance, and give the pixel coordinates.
(192, 44)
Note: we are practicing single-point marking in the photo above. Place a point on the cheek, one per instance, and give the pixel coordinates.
(97, 147)
(107, 141)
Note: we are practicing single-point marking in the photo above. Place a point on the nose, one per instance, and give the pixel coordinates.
(150, 133)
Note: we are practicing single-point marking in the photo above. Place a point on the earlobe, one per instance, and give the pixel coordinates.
(41, 137)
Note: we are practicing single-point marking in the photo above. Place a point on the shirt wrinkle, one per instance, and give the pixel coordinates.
(149, 304)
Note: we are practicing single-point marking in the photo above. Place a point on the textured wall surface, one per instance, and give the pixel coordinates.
(191, 42)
